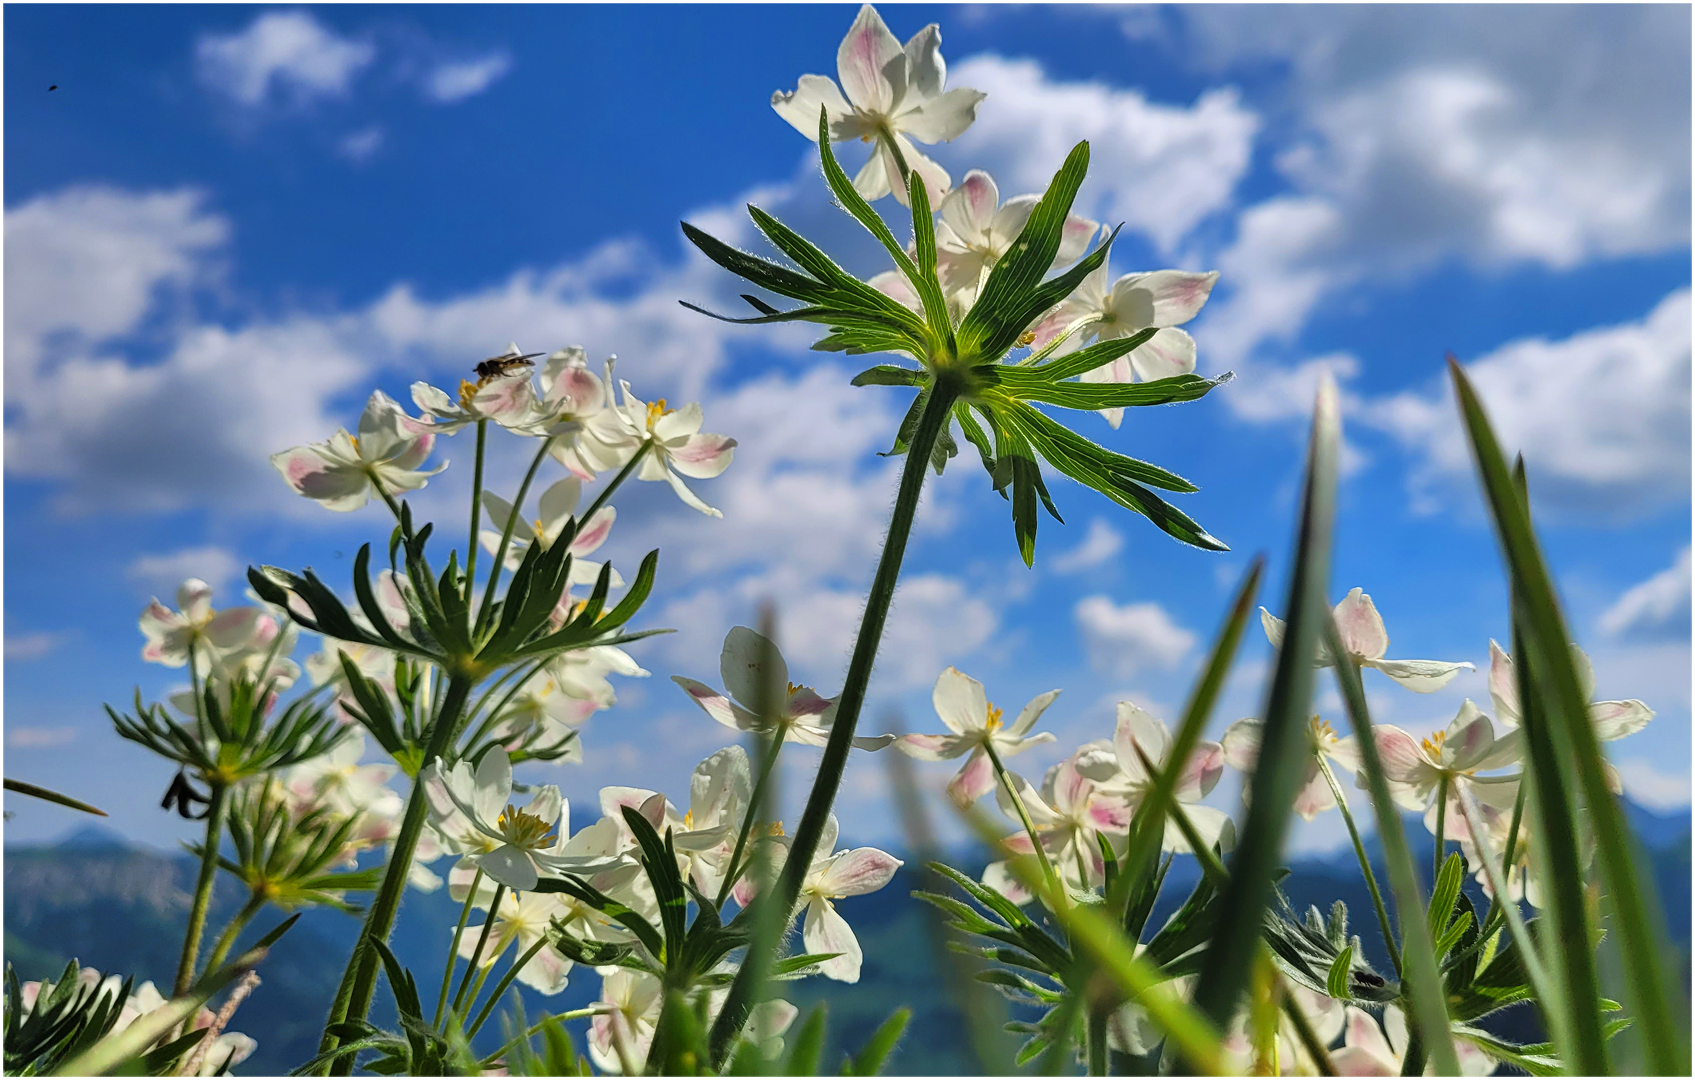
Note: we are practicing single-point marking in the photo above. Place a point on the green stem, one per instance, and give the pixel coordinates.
(512, 1044)
(500, 987)
(493, 716)
(476, 512)
(453, 952)
(1492, 921)
(499, 563)
(1441, 827)
(359, 982)
(1309, 1039)
(477, 953)
(226, 940)
(931, 423)
(202, 892)
(1048, 871)
(734, 870)
(1097, 1041)
(1383, 923)
(617, 481)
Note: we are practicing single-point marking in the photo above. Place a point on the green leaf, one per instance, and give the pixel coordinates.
(1089, 357)
(661, 867)
(24, 787)
(1547, 672)
(1284, 751)
(808, 1045)
(1336, 984)
(1081, 395)
(889, 375)
(869, 1061)
(1443, 896)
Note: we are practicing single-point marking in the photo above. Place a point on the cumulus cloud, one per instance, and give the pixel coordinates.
(1099, 545)
(288, 50)
(162, 573)
(457, 80)
(1122, 640)
(1602, 417)
(33, 646)
(1654, 787)
(1658, 604)
(1160, 169)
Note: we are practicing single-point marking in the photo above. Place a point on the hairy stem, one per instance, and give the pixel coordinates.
(735, 868)
(453, 951)
(202, 892)
(617, 481)
(1383, 922)
(226, 940)
(500, 987)
(477, 953)
(476, 512)
(359, 982)
(1048, 871)
(1441, 827)
(931, 424)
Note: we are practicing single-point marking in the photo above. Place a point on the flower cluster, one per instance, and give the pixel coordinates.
(216, 1057)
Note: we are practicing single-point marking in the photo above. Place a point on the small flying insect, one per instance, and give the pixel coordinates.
(504, 365)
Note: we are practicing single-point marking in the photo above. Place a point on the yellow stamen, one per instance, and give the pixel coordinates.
(770, 828)
(1026, 339)
(688, 820)
(655, 411)
(1433, 745)
(523, 829)
(994, 723)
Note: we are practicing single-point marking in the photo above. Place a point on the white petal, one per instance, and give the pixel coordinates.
(800, 106)
(510, 866)
(1361, 627)
(828, 932)
(942, 118)
(1420, 676)
(863, 62)
(1170, 352)
(960, 702)
(859, 871)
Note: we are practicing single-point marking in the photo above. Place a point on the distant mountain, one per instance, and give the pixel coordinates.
(121, 909)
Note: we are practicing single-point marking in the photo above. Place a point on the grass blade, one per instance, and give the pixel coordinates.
(1284, 752)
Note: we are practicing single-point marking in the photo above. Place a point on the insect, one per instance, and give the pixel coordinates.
(505, 364)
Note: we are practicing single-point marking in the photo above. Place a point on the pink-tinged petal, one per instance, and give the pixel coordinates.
(999, 877)
(863, 59)
(546, 971)
(1403, 760)
(1503, 685)
(859, 871)
(800, 107)
(973, 781)
(1139, 728)
(235, 627)
(807, 702)
(506, 399)
(157, 620)
(1315, 796)
(338, 486)
(748, 663)
(960, 702)
(1176, 296)
(1362, 1033)
(1347, 1061)
(1361, 627)
(1209, 821)
(1169, 353)
(1074, 239)
(653, 809)
(828, 932)
(1241, 744)
(1110, 814)
(1421, 676)
(969, 208)
(934, 747)
(894, 285)
(614, 799)
(703, 456)
(1469, 738)
(594, 531)
(1616, 719)
(1200, 774)
(1068, 789)
(194, 598)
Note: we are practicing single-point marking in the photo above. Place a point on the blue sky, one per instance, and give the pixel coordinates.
(227, 225)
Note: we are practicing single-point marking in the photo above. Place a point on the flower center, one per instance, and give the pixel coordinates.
(688, 819)
(655, 411)
(1433, 745)
(524, 829)
(994, 721)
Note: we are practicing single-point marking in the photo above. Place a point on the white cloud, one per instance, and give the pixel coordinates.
(1099, 545)
(1602, 417)
(1657, 789)
(1660, 603)
(88, 263)
(1123, 640)
(33, 646)
(459, 79)
(161, 574)
(1268, 393)
(361, 145)
(39, 738)
(1161, 169)
(288, 49)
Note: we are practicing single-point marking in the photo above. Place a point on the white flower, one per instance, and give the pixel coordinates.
(337, 780)
(1526, 878)
(523, 920)
(1069, 815)
(557, 506)
(975, 725)
(632, 1000)
(1366, 640)
(1241, 744)
(581, 673)
(831, 876)
(340, 473)
(1118, 768)
(976, 230)
(1368, 1050)
(1162, 298)
(719, 793)
(1469, 745)
(669, 440)
(197, 628)
(526, 841)
(894, 93)
(1612, 719)
(1130, 1030)
(571, 396)
(803, 715)
(541, 714)
(504, 397)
